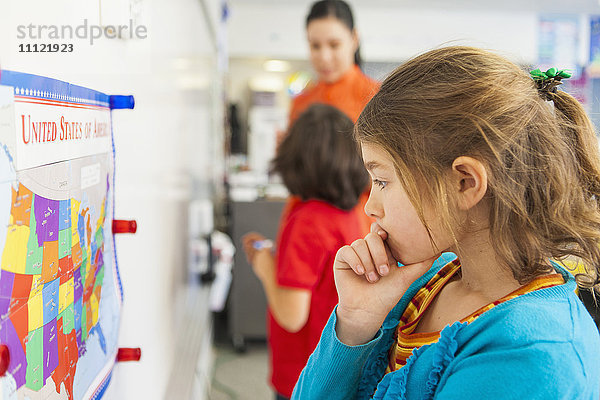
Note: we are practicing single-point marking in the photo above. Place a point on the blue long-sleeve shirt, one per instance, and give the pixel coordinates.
(540, 345)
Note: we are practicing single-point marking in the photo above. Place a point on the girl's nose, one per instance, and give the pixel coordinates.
(373, 207)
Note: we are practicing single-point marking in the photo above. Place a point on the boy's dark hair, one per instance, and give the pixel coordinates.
(319, 159)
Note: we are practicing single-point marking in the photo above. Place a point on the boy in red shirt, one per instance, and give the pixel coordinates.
(320, 165)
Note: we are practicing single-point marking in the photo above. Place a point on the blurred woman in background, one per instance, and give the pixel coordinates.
(335, 57)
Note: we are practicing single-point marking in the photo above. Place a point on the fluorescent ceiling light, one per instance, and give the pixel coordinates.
(276, 66)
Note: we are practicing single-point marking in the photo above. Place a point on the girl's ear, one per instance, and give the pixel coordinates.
(470, 181)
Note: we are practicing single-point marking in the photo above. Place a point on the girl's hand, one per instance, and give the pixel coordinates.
(369, 284)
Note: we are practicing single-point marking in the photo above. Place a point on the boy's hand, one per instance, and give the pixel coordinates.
(259, 255)
(248, 241)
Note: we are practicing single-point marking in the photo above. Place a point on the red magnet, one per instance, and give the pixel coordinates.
(124, 226)
(129, 354)
(4, 359)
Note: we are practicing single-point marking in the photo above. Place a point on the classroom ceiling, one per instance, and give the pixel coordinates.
(542, 6)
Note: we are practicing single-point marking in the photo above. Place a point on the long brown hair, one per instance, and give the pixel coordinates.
(542, 162)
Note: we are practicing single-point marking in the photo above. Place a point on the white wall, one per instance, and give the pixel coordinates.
(168, 149)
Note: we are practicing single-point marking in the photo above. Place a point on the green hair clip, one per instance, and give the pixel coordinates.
(547, 82)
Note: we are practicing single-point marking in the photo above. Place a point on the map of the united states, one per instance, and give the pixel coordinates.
(52, 270)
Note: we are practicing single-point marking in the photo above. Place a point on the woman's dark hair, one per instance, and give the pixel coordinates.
(319, 159)
(338, 9)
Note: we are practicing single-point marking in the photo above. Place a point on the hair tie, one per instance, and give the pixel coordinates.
(546, 82)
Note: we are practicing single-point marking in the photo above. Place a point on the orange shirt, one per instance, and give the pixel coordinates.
(350, 94)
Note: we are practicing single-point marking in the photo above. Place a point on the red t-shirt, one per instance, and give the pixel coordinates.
(310, 234)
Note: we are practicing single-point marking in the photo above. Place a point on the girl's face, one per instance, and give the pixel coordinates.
(389, 204)
(332, 48)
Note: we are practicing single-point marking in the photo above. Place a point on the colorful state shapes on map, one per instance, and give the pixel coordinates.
(75, 221)
(17, 366)
(64, 219)
(15, 249)
(67, 317)
(4, 307)
(98, 292)
(99, 237)
(50, 348)
(66, 294)
(6, 288)
(46, 213)
(94, 308)
(84, 263)
(68, 356)
(20, 323)
(21, 289)
(81, 227)
(34, 377)
(78, 308)
(86, 320)
(19, 310)
(99, 258)
(77, 286)
(88, 226)
(64, 243)
(76, 256)
(36, 285)
(35, 252)
(64, 277)
(99, 279)
(50, 261)
(51, 300)
(35, 311)
(21, 205)
(65, 267)
(6, 284)
(94, 252)
(88, 286)
(100, 221)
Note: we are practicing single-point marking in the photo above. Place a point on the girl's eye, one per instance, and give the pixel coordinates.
(381, 184)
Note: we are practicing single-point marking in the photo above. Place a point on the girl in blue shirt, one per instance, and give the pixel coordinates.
(471, 155)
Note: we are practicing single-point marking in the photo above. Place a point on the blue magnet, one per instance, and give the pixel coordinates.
(119, 102)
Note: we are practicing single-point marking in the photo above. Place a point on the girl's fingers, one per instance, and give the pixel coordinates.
(375, 228)
(379, 253)
(362, 250)
(347, 257)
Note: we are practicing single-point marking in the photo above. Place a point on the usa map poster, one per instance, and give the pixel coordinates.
(60, 292)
